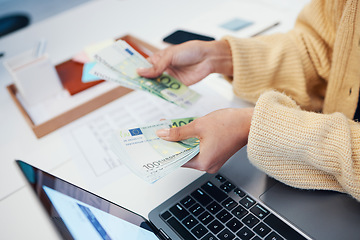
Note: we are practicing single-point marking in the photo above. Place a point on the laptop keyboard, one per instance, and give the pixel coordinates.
(220, 210)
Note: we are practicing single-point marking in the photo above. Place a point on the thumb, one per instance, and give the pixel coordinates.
(150, 72)
(177, 133)
(160, 62)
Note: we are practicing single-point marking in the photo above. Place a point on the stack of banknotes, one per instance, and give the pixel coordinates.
(147, 155)
(119, 61)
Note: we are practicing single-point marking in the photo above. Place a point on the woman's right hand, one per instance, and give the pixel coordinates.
(191, 61)
(221, 133)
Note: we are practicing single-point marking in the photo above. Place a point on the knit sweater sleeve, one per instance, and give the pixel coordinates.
(305, 149)
(297, 62)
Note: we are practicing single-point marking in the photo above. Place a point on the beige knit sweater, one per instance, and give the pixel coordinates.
(302, 134)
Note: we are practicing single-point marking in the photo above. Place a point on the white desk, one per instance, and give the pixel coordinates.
(21, 216)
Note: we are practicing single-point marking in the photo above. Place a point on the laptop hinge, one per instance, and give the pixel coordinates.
(163, 235)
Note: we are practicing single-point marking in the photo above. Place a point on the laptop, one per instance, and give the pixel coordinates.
(238, 202)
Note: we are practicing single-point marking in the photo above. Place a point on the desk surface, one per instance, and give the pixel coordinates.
(21, 216)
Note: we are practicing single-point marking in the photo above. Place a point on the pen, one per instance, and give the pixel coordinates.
(265, 29)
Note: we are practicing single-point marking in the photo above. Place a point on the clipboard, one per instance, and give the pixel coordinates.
(70, 73)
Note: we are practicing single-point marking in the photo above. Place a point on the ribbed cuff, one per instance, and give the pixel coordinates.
(302, 149)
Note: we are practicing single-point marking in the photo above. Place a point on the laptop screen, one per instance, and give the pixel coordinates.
(79, 214)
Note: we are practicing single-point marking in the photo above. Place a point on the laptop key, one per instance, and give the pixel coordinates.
(178, 211)
(214, 207)
(229, 203)
(239, 212)
(220, 178)
(187, 202)
(259, 211)
(226, 235)
(209, 236)
(201, 197)
(224, 216)
(247, 202)
(261, 229)
(165, 215)
(239, 192)
(229, 184)
(234, 225)
(214, 191)
(196, 209)
(281, 227)
(227, 187)
(245, 233)
(206, 218)
(250, 220)
(199, 231)
(190, 222)
(274, 236)
(215, 226)
(180, 229)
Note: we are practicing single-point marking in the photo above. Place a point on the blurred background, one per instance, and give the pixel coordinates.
(17, 14)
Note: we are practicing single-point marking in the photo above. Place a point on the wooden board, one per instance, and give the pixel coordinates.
(71, 72)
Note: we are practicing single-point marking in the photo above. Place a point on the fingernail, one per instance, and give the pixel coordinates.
(163, 132)
(142, 69)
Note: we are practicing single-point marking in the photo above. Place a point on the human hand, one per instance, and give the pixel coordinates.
(191, 61)
(221, 133)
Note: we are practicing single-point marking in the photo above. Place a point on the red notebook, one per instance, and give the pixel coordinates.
(70, 73)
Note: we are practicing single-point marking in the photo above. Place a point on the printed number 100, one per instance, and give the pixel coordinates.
(151, 165)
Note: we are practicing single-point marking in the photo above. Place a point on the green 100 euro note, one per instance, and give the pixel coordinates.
(119, 62)
(149, 156)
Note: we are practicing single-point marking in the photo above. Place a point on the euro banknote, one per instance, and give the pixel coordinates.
(149, 156)
(121, 58)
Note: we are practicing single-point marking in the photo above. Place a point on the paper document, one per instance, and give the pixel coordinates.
(88, 137)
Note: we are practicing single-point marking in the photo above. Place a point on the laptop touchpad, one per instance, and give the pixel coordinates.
(321, 214)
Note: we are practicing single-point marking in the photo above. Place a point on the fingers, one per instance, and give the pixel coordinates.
(160, 62)
(192, 163)
(178, 133)
(200, 164)
(148, 72)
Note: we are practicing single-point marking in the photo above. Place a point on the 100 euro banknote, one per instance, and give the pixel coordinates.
(123, 59)
(149, 156)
